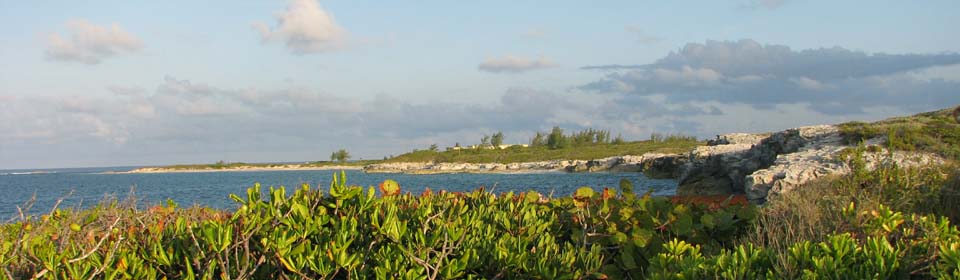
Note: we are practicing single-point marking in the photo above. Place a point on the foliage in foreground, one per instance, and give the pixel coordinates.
(349, 233)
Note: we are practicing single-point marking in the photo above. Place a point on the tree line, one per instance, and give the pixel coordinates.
(556, 139)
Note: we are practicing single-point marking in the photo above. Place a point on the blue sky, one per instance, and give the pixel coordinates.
(141, 83)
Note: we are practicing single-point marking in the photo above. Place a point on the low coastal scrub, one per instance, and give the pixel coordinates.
(876, 224)
(911, 209)
(587, 151)
(936, 132)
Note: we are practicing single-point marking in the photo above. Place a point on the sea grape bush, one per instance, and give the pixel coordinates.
(348, 232)
(891, 246)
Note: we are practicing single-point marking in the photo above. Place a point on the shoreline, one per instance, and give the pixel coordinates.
(627, 163)
(158, 170)
(474, 171)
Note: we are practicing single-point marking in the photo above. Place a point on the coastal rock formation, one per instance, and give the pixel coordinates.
(650, 161)
(277, 167)
(763, 166)
(723, 168)
(737, 138)
(664, 166)
(792, 170)
(450, 167)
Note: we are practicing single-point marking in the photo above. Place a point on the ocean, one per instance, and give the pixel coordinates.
(85, 187)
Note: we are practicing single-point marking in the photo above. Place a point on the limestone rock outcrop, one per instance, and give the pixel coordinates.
(769, 165)
(650, 161)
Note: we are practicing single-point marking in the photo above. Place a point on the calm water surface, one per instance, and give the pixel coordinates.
(86, 186)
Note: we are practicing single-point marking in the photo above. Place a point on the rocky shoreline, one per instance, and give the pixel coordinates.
(766, 166)
(628, 163)
(286, 167)
(759, 166)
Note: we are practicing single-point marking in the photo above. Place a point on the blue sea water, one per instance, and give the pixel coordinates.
(85, 187)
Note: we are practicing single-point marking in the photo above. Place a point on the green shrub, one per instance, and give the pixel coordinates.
(935, 132)
(904, 247)
(349, 232)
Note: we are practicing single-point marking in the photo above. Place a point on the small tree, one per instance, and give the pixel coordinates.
(497, 139)
(433, 147)
(485, 141)
(618, 140)
(537, 140)
(556, 139)
(341, 156)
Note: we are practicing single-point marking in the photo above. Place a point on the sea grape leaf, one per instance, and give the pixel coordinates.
(708, 221)
(390, 187)
(583, 193)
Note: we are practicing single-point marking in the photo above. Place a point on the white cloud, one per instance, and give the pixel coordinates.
(514, 64)
(305, 28)
(89, 43)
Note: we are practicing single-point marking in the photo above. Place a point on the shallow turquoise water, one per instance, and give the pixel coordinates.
(86, 187)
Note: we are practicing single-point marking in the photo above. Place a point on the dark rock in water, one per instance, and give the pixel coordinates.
(706, 185)
(666, 167)
(956, 114)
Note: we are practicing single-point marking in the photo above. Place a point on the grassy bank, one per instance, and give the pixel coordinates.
(507, 155)
(543, 153)
(936, 132)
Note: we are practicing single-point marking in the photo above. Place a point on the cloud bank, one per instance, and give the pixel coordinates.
(833, 80)
(702, 89)
(180, 121)
(89, 43)
(514, 64)
(305, 28)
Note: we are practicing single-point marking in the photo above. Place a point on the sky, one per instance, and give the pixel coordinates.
(124, 83)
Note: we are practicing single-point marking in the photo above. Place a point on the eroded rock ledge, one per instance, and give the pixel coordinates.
(766, 166)
(655, 164)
